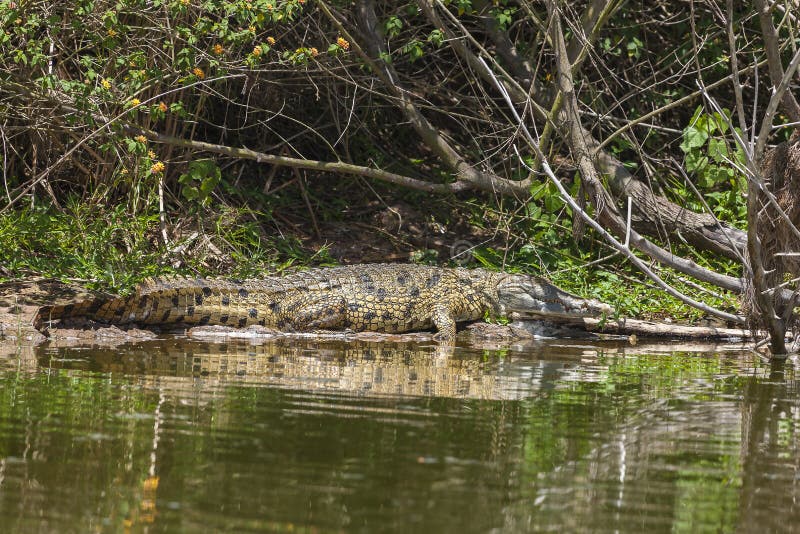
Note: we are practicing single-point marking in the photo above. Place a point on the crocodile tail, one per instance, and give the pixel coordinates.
(84, 308)
(168, 299)
(163, 300)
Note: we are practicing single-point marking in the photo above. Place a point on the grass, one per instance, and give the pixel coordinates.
(111, 249)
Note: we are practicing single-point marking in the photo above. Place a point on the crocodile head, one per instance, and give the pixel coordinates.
(530, 295)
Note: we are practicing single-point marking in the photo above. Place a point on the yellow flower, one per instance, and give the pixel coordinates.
(123, 172)
(151, 154)
(271, 41)
(185, 2)
(140, 139)
(269, 7)
(111, 32)
(162, 107)
(251, 29)
(197, 71)
(106, 84)
(257, 51)
(157, 167)
(343, 44)
(314, 52)
(218, 50)
(135, 102)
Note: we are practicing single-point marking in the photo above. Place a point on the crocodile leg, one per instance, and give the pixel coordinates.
(327, 313)
(445, 323)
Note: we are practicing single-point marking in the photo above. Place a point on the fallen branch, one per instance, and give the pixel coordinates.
(653, 329)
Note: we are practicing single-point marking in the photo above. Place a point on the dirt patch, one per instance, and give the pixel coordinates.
(396, 232)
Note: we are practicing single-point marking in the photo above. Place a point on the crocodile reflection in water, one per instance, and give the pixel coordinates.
(360, 367)
(388, 298)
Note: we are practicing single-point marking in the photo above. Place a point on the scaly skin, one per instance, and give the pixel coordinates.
(375, 297)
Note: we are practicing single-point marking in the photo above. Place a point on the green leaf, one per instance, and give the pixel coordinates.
(190, 193)
(393, 26)
(718, 150)
(693, 137)
(534, 210)
(203, 172)
(697, 112)
(695, 161)
(436, 38)
(722, 121)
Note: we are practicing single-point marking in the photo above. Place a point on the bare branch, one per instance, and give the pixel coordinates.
(606, 213)
(322, 166)
(700, 229)
(770, 36)
(427, 132)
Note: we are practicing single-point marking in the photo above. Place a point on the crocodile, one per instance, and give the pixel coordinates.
(391, 298)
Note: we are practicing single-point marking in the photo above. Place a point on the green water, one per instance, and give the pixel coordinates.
(299, 436)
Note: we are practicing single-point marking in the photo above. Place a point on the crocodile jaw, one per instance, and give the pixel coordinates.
(528, 295)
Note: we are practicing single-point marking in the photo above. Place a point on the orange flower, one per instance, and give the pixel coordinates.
(218, 50)
(162, 107)
(257, 51)
(314, 52)
(343, 44)
(140, 139)
(197, 71)
(271, 41)
(157, 167)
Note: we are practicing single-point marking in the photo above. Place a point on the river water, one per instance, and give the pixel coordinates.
(301, 436)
